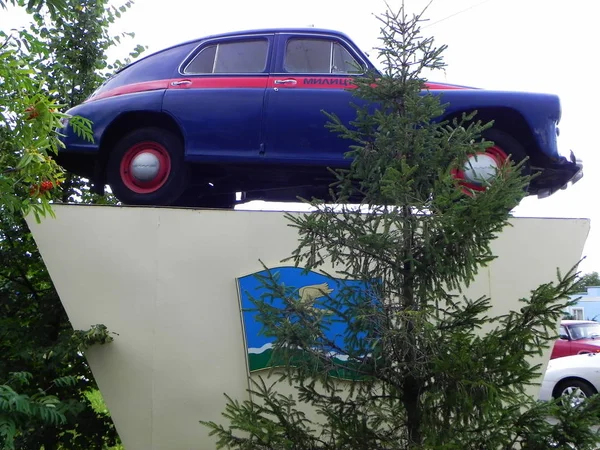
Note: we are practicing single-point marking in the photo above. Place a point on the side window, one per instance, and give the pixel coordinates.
(311, 55)
(343, 61)
(203, 62)
(307, 56)
(231, 57)
(563, 331)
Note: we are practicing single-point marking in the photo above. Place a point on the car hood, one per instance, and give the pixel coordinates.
(574, 362)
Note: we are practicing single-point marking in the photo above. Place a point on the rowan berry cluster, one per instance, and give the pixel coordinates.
(38, 189)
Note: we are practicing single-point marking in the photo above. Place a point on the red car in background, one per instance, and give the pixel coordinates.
(576, 337)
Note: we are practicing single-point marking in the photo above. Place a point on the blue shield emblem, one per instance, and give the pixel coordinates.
(311, 288)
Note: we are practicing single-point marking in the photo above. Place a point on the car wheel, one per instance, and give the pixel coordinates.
(147, 167)
(573, 392)
(483, 166)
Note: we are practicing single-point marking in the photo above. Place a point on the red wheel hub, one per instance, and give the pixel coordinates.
(480, 168)
(145, 167)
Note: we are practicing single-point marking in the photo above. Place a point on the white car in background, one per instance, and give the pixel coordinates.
(573, 377)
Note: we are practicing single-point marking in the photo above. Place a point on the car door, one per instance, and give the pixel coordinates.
(219, 95)
(562, 346)
(312, 74)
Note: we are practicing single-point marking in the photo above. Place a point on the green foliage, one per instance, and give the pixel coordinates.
(55, 7)
(274, 424)
(55, 64)
(437, 370)
(587, 280)
(18, 409)
(98, 405)
(72, 60)
(37, 338)
(28, 412)
(28, 120)
(97, 334)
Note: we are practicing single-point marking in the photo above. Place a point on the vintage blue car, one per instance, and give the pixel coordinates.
(198, 122)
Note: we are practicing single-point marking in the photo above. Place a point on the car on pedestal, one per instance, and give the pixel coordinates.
(200, 121)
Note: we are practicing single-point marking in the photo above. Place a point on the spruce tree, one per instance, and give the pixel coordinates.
(420, 366)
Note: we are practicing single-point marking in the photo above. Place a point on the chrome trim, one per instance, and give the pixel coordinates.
(289, 81)
(214, 65)
(330, 56)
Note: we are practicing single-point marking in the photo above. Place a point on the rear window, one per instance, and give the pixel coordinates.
(247, 56)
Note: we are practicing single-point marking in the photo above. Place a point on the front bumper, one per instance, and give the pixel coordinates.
(558, 175)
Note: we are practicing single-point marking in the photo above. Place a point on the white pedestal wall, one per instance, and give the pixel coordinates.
(165, 281)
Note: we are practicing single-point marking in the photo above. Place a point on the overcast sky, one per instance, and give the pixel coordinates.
(524, 45)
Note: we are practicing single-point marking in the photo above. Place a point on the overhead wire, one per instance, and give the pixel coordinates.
(457, 13)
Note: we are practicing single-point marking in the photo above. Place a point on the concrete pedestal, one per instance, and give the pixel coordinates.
(167, 281)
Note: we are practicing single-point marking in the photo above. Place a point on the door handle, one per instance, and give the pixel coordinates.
(180, 83)
(288, 81)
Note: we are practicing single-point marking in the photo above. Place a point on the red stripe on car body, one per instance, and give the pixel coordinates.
(443, 87)
(258, 82)
(186, 83)
(227, 82)
(344, 83)
(132, 88)
(321, 82)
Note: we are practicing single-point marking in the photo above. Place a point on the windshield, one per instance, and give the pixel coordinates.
(585, 331)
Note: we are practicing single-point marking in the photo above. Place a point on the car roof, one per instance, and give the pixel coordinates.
(303, 30)
(574, 322)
